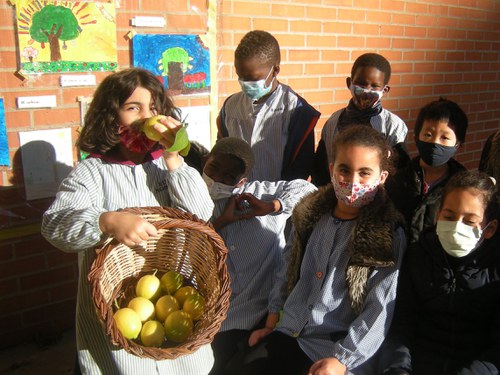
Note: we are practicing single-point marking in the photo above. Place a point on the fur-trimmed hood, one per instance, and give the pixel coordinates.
(370, 245)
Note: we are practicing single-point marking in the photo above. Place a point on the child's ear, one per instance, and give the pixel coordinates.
(491, 229)
(387, 88)
(330, 167)
(276, 70)
(383, 176)
(348, 82)
(242, 182)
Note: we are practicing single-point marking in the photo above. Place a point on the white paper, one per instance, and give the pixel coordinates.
(198, 119)
(47, 157)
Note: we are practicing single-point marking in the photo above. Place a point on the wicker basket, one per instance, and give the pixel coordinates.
(185, 244)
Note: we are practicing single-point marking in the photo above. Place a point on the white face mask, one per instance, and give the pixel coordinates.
(256, 89)
(217, 190)
(457, 238)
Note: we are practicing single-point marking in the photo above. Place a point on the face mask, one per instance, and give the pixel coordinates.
(217, 190)
(458, 239)
(135, 141)
(434, 154)
(355, 194)
(365, 98)
(256, 89)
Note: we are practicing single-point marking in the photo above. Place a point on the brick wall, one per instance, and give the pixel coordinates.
(448, 48)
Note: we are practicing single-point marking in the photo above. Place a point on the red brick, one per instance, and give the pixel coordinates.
(47, 278)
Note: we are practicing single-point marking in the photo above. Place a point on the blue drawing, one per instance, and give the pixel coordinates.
(181, 62)
(4, 147)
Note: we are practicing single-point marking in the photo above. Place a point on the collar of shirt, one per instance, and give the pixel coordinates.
(113, 156)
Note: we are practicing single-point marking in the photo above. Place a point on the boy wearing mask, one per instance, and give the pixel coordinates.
(416, 190)
(251, 218)
(368, 83)
(276, 122)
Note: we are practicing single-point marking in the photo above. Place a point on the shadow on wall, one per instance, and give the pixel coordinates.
(36, 176)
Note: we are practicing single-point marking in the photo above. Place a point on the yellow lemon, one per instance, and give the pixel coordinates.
(194, 305)
(148, 128)
(178, 326)
(142, 306)
(148, 287)
(184, 293)
(171, 281)
(128, 322)
(164, 306)
(152, 334)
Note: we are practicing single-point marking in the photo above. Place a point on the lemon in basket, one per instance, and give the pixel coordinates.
(128, 322)
(171, 281)
(178, 326)
(142, 306)
(194, 305)
(183, 293)
(164, 306)
(148, 287)
(152, 334)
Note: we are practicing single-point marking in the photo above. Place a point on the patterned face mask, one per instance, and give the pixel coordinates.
(355, 194)
(135, 141)
(365, 98)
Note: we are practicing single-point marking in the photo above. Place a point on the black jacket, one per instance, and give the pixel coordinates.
(406, 189)
(447, 317)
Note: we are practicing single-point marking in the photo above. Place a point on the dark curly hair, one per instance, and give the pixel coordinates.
(443, 110)
(373, 60)
(100, 131)
(261, 45)
(362, 135)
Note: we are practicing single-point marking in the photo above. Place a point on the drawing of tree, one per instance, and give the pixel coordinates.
(52, 24)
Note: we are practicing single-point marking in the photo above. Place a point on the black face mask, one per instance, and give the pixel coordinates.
(434, 154)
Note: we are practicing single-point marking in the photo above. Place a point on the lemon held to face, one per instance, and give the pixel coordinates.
(148, 127)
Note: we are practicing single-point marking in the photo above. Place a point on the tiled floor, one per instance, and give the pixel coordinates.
(52, 358)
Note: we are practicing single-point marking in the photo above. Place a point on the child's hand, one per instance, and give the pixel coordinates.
(327, 366)
(126, 227)
(258, 335)
(256, 206)
(228, 216)
(168, 128)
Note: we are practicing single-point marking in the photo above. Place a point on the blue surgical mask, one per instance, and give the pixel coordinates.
(256, 89)
(217, 190)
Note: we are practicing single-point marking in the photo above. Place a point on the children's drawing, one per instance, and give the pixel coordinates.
(181, 62)
(4, 147)
(66, 36)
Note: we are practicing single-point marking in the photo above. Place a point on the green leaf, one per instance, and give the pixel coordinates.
(181, 142)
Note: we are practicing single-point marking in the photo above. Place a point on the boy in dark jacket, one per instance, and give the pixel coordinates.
(417, 188)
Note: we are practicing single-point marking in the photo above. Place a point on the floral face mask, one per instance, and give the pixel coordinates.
(355, 194)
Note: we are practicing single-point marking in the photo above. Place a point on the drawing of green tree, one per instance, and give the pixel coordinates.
(52, 24)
